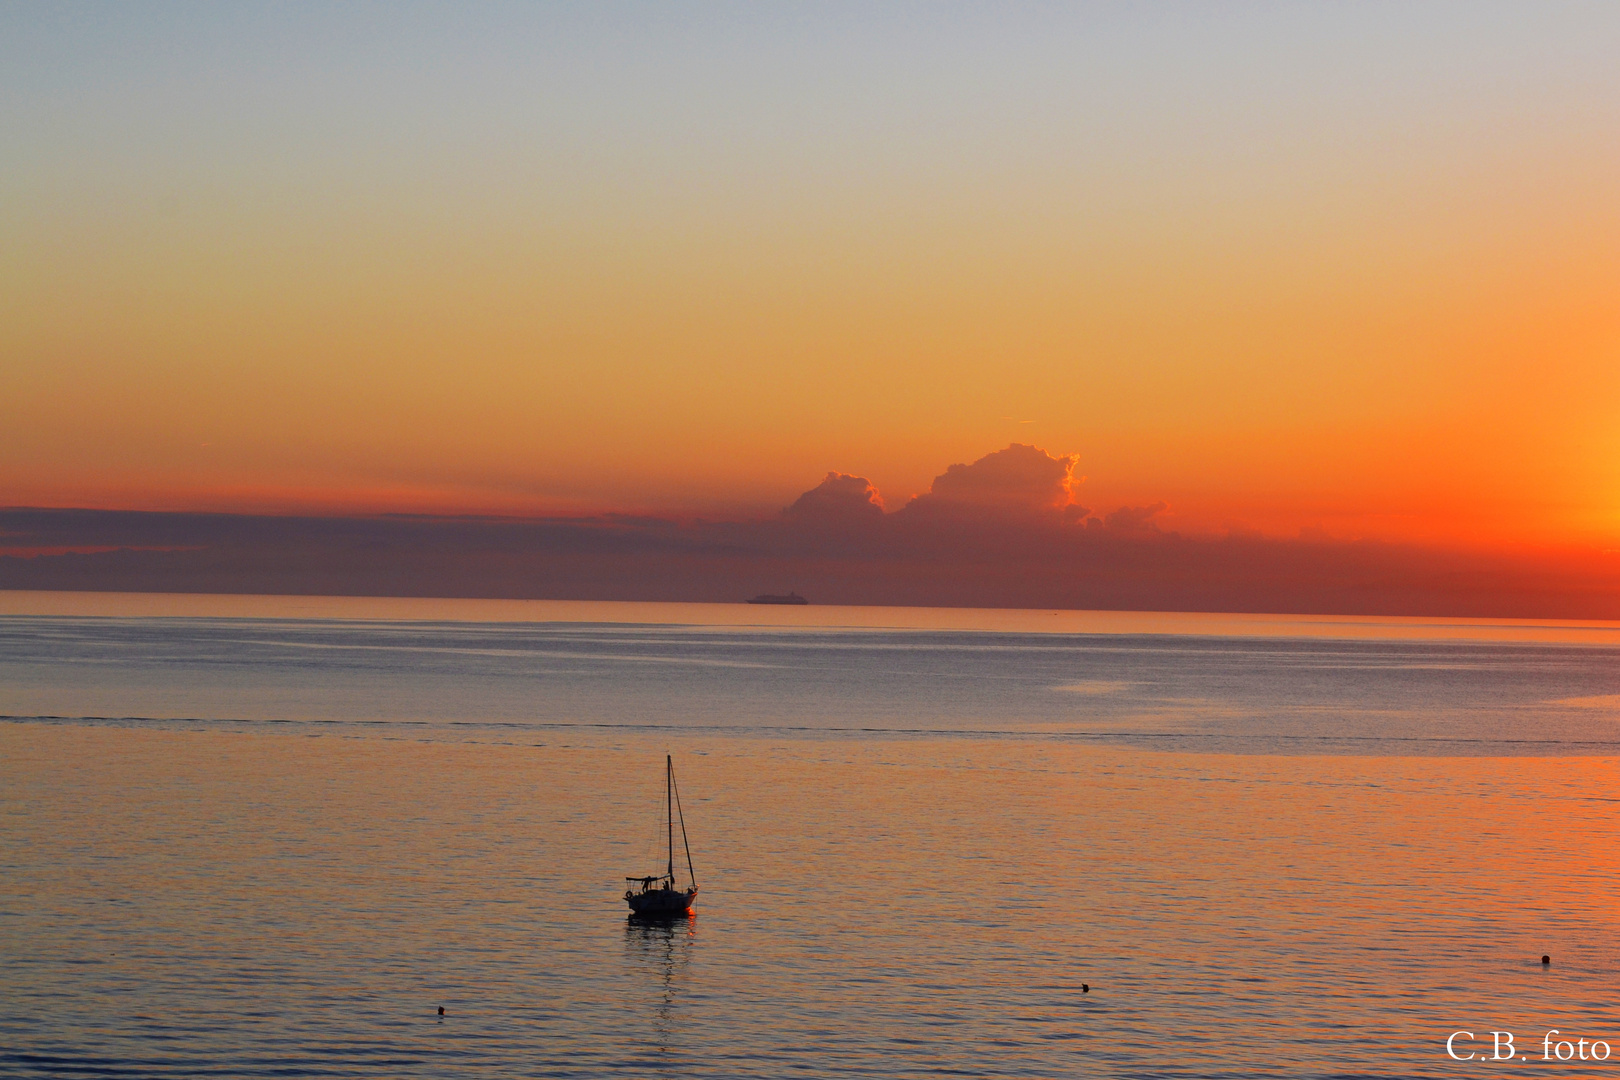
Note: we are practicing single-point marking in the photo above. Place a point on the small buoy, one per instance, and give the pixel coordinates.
(441, 1010)
(1085, 989)
(1546, 959)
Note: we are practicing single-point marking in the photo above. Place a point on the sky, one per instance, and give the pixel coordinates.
(1280, 270)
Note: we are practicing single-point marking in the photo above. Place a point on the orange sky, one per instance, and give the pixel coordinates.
(1346, 269)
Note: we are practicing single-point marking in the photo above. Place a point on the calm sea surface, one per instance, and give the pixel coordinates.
(267, 840)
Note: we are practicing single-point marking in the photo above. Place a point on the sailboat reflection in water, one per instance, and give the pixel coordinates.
(660, 950)
(658, 897)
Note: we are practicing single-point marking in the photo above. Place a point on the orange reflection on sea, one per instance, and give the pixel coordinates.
(900, 905)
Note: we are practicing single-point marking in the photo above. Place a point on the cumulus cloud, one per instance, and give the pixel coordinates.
(839, 498)
(1134, 519)
(1021, 480)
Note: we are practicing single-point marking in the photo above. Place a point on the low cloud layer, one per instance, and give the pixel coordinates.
(1002, 531)
(1135, 520)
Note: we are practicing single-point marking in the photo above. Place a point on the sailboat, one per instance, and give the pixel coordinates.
(658, 895)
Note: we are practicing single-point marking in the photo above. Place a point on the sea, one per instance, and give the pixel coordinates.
(275, 836)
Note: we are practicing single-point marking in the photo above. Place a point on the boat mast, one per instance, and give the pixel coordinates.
(685, 843)
(669, 812)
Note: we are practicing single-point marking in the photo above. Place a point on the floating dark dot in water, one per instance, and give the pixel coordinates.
(1084, 988)
(1546, 959)
(441, 1010)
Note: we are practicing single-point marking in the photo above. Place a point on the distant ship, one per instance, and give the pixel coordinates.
(790, 598)
(658, 897)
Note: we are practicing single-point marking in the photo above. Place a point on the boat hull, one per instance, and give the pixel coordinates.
(655, 902)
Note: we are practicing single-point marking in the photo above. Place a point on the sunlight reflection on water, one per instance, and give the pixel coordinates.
(264, 847)
(234, 903)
